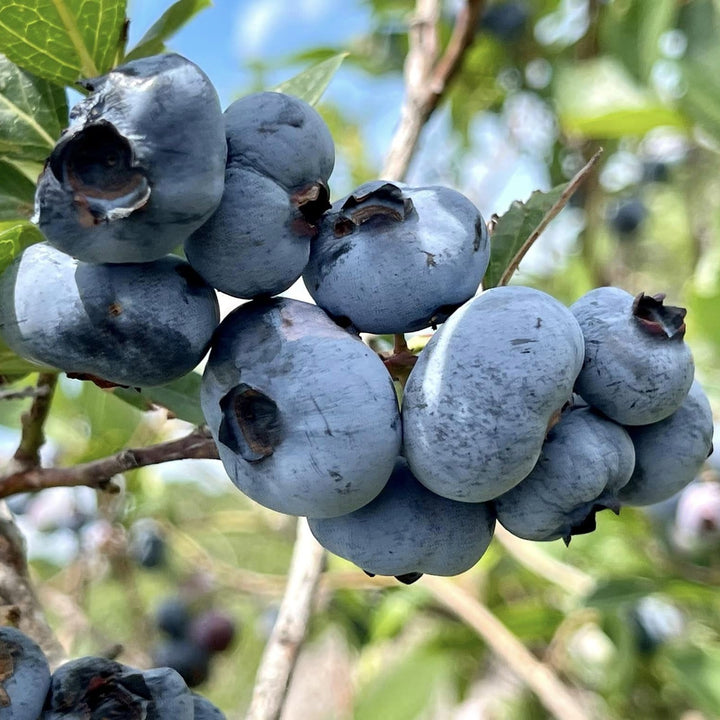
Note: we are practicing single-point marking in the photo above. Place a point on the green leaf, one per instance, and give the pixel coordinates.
(16, 193)
(697, 670)
(310, 84)
(514, 228)
(631, 31)
(701, 101)
(62, 40)
(12, 365)
(33, 112)
(405, 690)
(181, 397)
(614, 592)
(15, 236)
(598, 99)
(177, 15)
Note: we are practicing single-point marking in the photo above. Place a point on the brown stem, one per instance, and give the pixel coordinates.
(33, 423)
(17, 591)
(551, 692)
(28, 392)
(550, 215)
(427, 76)
(278, 661)
(98, 473)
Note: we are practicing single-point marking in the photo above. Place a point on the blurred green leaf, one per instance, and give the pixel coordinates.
(174, 18)
(405, 690)
(701, 101)
(15, 236)
(12, 365)
(62, 40)
(32, 113)
(310, 84)
(16, 193)
(514, 228)
(612, 593)
(598, 99)
(181, 397)
(697, 671)
(631, 32)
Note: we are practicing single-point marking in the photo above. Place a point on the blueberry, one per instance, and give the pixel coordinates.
(637, 369)
(128, 324)
(393, 259)
(280, 156)
(304, 414)
(205, 710)
(505, 20)
(94, 687)
(627, 216)
(479, 399)
(147, 544)
(24, 676)
(170, 693)
(670, 453)
(173, 617)
(655, 621)
(585, 460)
(408, 530)
(140, 167)
(696, 525)
(656, 171)
(213, 630)
(189, 660)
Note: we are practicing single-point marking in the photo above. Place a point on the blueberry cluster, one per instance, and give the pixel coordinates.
(90, 687)
(518, 409)
(140, 167)
(191, 638)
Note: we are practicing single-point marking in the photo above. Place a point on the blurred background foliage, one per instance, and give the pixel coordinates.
(628, 615)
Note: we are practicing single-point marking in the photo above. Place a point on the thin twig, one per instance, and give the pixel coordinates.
(550, 215)
(548, 688)
(33, 423)
(98, 473)
(427, 76)
(17, 590)
(278, 661)
(27, 392)
(534, 559)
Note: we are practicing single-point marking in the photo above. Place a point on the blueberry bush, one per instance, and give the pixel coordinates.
(433, 331)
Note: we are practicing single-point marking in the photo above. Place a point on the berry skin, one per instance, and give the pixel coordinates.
(392, 259)
(303, 413)
(637, 369)
(173, 617)
(24, 676)
(696, 525)
(478, 402)
(205, 710)
(141, 166)
(135, 324)
(407, 531)
(189, 660)
(213, 630)
(147, 545)
(585, 460)
(670, 453)
(280, 156)
(628, 216)
(95, 687)
(505, 20)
